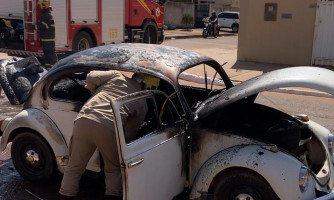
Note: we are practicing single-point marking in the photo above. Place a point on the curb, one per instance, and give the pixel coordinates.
(193, 36)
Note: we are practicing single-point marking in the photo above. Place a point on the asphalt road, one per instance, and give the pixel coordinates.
(12, 186)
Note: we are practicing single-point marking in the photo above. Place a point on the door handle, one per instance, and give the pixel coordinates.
(135, 163)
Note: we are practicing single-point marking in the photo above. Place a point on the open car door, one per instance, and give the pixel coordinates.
(153, 162)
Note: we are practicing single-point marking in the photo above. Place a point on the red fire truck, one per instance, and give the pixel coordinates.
(80, 24)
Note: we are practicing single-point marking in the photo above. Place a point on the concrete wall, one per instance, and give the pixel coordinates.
(175, 10)
(226, 5)
(288, 40)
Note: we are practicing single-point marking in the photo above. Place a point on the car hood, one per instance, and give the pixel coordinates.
(306, 77)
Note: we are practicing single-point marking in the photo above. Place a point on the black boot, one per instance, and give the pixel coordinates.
(62, 197)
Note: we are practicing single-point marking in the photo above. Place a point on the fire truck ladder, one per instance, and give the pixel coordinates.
(29, 18)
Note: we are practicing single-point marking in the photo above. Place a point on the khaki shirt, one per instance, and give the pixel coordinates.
(106, 86)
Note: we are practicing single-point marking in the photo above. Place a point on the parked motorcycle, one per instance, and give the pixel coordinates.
(208, 29)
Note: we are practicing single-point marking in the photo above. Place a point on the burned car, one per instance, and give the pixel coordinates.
(202, 134)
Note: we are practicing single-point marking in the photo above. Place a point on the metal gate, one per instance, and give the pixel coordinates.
(323, 43)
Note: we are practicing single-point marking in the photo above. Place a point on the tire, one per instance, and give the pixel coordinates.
(150, 35)
(242, 184)
(82, 41)
(235, 28)
(33, 158)
(205, 33)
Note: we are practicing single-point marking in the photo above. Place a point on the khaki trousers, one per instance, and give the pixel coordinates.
(87, 136)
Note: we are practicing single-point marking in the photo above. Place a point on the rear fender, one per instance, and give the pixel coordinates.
(38, 121)
(280, 170)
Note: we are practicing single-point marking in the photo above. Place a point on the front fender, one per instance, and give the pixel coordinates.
(38, 121)
(279, 169)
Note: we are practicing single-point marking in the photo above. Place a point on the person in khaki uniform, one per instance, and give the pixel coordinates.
(94, 128)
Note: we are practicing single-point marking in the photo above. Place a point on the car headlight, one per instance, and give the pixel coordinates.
(331, 143)
(304, 177)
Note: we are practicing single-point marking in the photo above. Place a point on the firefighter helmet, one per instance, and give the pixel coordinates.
(44, 4)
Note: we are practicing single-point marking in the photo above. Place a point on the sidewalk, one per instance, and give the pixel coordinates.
(191, 33)
(240, 71)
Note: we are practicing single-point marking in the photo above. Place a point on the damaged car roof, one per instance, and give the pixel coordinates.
(166, 61)
(307, 77)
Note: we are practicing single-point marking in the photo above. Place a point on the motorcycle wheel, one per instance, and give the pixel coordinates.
(205, 33)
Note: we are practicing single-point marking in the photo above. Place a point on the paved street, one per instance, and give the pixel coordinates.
(223, 49)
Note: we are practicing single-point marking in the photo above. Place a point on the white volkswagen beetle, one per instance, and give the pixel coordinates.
(202, 135)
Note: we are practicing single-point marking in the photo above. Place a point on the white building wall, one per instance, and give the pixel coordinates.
(175, 10)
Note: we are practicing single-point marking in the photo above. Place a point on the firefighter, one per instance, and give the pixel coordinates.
(46, 28)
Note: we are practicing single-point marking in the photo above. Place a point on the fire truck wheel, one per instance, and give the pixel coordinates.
(242, 184)
(33, 158)
(150, 33)
(82, 41)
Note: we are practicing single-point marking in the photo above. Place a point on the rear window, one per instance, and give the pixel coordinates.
(228, 15)
(70, 88)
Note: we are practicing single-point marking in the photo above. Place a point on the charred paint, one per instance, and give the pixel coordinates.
(165, 61)
(50, 127)
(255, 160)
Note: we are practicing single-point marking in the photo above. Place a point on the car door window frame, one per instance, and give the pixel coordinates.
(118, 102)
(214, 65)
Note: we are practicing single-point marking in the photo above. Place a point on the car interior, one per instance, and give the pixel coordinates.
(70, 88)
(199, 83)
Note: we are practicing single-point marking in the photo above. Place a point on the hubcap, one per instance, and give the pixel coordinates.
(32, 157)
(83, 44)
(244, 197)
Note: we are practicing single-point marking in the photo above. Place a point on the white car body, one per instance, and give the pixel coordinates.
(228, 19)
(184, 149)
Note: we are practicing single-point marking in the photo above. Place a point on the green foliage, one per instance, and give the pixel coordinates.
(187, 20)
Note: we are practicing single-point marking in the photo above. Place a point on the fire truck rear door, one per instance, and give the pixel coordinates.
(11, 9)
(112, 21)
(59, 12)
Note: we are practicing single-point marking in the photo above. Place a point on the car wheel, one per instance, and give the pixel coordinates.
(150, 33)
(242, 184)
(205, 33)
(235, 28)
(33, 157)
(82, 41)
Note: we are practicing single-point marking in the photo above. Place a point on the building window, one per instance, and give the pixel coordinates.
(270, 11)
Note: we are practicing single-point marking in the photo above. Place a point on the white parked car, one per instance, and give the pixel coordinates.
(202, 135)
(228, 19)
